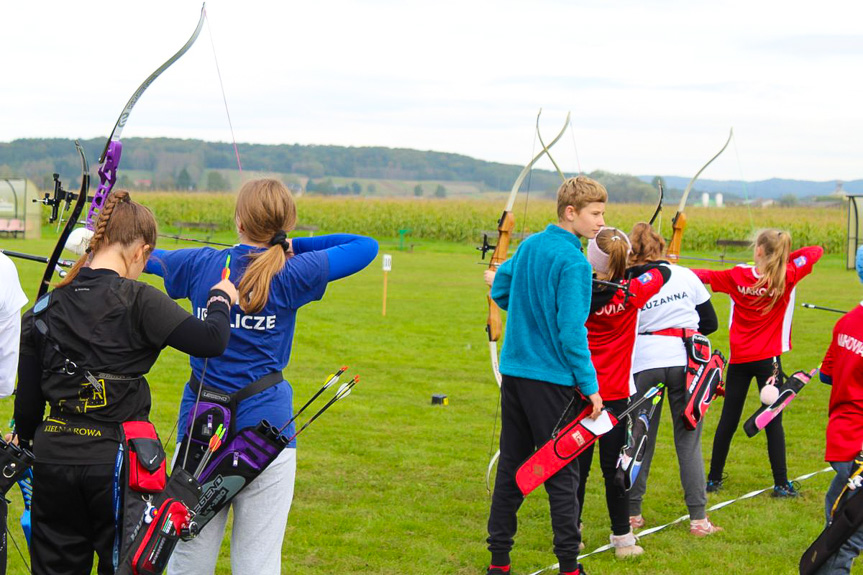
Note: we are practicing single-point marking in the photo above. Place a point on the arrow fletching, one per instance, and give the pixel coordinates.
(343, 391)
(226, 272)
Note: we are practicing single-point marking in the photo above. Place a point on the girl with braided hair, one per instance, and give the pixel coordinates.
(277, 276)
(85, 348)
(762, 299)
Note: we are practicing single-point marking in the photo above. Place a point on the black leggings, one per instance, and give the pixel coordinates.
(738, 378)
(609, 450)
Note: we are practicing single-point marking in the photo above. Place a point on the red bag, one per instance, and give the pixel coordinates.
(147, 472)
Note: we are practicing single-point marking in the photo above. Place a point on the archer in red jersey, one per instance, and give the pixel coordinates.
(611, 331)
(843, 369)
(762, 303)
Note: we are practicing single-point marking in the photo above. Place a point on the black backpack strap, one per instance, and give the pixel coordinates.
(253, 388)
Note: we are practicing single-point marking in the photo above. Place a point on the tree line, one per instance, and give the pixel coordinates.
(175, 164)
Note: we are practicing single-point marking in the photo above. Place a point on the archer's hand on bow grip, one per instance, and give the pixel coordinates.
(494, 325)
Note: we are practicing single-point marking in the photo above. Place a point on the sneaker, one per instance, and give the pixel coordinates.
(790, 489)
(625, 545)
(715, 485)
(636, 521)
(703, 527)
(497, 570)
(578, 571)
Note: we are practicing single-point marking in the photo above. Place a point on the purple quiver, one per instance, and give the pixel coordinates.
(236, 465)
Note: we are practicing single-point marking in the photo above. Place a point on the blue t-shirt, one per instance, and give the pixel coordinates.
(260, 343)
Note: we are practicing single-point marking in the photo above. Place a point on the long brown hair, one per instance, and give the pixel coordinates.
(266, 211)
(615, 244)
(120, 221)
(776, 246)
(647, 245)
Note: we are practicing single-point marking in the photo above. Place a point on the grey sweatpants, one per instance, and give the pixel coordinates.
(686, 442)
(260, 516)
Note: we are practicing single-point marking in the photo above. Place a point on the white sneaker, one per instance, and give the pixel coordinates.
(624, 545)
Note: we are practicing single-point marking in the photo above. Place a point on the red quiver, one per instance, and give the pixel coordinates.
(703, 378)
(562, 448)
(156, 510)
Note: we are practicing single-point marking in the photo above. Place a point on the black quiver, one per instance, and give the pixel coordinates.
(847, 518)
(14, 463)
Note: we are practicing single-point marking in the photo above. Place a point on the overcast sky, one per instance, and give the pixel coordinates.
(653, 86)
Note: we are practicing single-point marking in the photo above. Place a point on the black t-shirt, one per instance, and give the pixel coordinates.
(114, 328)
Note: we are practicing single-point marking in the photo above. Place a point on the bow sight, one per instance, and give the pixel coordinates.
(485, 247)
(59, 197)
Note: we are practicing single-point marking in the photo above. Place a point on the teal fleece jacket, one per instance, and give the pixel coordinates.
(545, 289)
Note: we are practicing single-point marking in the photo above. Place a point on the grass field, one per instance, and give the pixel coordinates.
(389, 484)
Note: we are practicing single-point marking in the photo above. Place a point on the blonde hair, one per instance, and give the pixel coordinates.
(267, 212)
(614, 243)
(120, 221)
(777, 247)
(578, 192)
(647, 245)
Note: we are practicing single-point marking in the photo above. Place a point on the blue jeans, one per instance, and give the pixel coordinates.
(840, 562)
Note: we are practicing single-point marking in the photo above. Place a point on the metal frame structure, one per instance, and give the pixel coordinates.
(854, 241)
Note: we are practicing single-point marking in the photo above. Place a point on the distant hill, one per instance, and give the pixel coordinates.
(175, 164)
(773, 188)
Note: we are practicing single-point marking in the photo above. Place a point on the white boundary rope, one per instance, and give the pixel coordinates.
(651, 530)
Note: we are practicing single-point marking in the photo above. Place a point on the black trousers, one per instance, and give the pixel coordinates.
(610, 444)
(73, 518)
(738, 379)
(529, 411)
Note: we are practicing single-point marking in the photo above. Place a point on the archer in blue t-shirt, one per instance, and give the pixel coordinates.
(275, 277)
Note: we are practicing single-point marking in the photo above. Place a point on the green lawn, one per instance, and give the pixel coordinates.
(389, 484)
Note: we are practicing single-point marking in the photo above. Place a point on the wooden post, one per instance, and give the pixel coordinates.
(388, 265)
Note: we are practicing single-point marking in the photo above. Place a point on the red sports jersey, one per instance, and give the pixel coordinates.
(844, 364)
(611, 332)
(755, 335)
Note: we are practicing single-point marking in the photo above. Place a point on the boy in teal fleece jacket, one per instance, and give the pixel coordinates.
(545, 289)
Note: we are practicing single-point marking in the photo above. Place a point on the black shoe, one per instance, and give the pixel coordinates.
(578, 571)
(715, 485)
(790, 489)
(497, 571)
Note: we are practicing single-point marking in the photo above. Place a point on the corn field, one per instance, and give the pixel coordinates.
(466, 220)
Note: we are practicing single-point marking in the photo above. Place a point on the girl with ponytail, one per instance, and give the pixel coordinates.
(760, 332)
(277, 276)
(110, 329)
(680, 309)
(611, 338)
